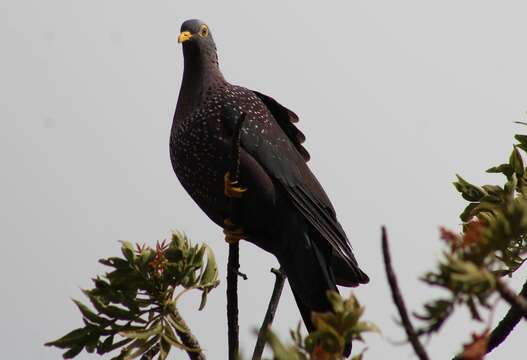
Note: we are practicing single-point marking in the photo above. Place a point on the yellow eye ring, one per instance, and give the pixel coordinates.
(204, 30)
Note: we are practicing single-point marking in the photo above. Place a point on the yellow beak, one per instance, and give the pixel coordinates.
(184, 36)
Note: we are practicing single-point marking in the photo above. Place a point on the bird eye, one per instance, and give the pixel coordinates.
(204, 31)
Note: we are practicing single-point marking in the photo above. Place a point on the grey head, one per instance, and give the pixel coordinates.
(201, 71)
(198, 44)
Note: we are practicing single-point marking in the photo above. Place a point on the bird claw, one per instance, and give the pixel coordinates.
(230, 189)
(233, 233)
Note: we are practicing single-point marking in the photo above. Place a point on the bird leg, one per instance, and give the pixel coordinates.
(230, 188)
(233, 233)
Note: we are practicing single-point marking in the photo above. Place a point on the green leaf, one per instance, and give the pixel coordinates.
(336, 301)
(71, 353)
(128, 251)
(523, 142)
(280, 352)
(164, 349)
(467, 214)
(90, 315)
(504, 169)
(331, 342)
(516, 162)
(110, 310)
(364, 326)
(173, 341)
(197, 260)
(493, 199)
(468, 191)
(203, 301)
(115, 262)
(106, 345)
(92, 340)
(493, 190)
(510, 186)
(320, 320)
(147, 255)
(74, 337)
(143, 348)
(154, 329)
(118, 344)
(210, 274)
(179, 240)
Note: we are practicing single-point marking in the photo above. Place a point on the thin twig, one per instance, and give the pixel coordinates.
(399, 302)
(242, 275)
(232, 300)
(269, 315)
(510, 296)
(507, 324)
(187, 338)
(233, 264)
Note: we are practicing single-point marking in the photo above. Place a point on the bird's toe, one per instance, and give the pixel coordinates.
(230, 188)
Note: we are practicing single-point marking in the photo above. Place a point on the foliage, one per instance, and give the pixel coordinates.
(493, 243)
(333, 331)
(135, 303)
(134, 306)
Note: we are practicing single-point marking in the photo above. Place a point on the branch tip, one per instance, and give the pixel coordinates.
(398, 300)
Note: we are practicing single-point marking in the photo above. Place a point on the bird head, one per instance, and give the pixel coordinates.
(197, 40)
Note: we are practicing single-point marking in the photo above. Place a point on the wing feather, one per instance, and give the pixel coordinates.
(289, 167)
(286, 119)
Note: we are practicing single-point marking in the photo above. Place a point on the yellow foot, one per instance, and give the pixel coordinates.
(232, 232)
(230, 188)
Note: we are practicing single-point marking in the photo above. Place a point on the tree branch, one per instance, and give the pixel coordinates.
(233, 264)
(232, 300)
(269, 315)
(514, 300)
(507, 324)
(399, 302)
(187, 338)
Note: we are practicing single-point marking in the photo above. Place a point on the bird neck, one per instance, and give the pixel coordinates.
(200, 73)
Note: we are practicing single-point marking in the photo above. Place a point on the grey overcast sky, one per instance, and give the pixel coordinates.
(395, 98)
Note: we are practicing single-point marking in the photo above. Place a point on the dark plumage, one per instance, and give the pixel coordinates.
(285, 210)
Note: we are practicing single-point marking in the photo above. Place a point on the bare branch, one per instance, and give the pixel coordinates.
(514, 300)
(233, 264)
(507, 324)
(269, 315)
(232, 299)
(399, 302)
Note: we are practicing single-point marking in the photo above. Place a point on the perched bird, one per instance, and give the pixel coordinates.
(283, 208)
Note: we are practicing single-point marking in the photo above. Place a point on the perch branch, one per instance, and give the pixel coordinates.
(514, 300)
(399, 302)
(507, 324)
(269, 315)
(232, 299)
(233, 264)
(187, 338)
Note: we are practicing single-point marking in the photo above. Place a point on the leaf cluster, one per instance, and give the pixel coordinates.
(333, 331)
(493, 242)
(133, 306)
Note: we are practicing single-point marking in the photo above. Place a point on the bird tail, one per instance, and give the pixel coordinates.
(345, 274)
(309, 273)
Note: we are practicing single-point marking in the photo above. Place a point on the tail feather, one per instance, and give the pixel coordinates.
(344, 274)
(305, 261)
